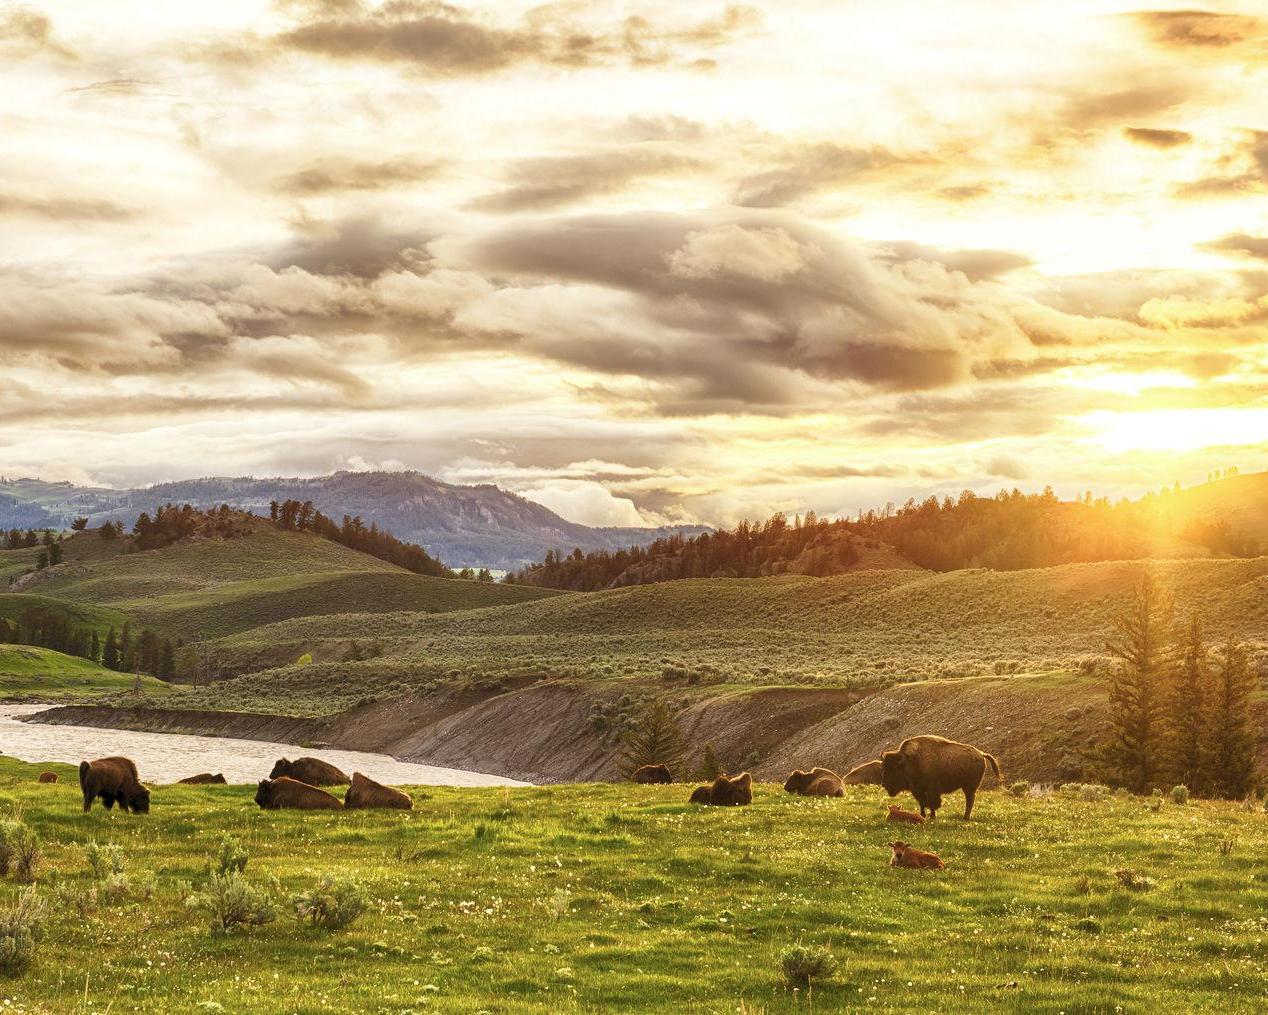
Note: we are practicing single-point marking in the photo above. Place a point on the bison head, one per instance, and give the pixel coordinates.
(893, 772)
(262, 793)
(283, 767)
(140, 801)
(796, 782)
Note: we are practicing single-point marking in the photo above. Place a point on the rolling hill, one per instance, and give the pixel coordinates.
(40, 674)
(476, 526)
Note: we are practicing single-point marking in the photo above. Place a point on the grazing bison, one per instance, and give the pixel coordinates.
(48, 777)
(816, 782)
(114, 780)
(203, 779)
(896, 813)
(284, 791)
(906, 855)
(313, 771)
(931, 766)
(652, 775)
(867, 774)
(365, 793)
(701, 795)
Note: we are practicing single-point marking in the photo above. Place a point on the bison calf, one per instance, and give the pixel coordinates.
(273, 794)
(313, 771)
(816, 782)
(906, 855)
(366, 793)
(652, 775)
(896, 813)
(48, 777)
(114, 780)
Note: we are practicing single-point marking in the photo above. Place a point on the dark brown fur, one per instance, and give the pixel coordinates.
(930, 766)
(701, 795)
(816, 782)
(906, 855)
(866, 774)
(114, 780)
(273, 794)
(653, 775)
(896, 813)
(313, 771)
(732, 792)
(48, 777)
(203, 779)
(366, 793)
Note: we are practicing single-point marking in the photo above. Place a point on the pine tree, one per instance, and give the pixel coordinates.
(1185, 708)
(55, 553)
(1228, 762)
(167, 661)
(110, 652)
(127, 651)
(710, 768)
(654, 740)
(1135, 751)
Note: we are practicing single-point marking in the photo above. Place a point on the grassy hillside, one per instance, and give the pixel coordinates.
(40, 674)
(863, 630)
(593, 898)
(214, 587)
(94, 618)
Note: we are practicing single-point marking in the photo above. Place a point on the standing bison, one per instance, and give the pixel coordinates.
(313, 771)
(114, 780)
(652, 775)
(930, 766)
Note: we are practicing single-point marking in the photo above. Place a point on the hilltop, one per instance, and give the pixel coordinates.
(476, 526)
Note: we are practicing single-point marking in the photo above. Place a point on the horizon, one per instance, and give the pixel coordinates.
(299, 236)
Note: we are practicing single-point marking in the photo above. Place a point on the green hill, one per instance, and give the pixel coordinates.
(40, 674)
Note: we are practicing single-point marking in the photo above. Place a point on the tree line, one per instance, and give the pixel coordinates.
(44, 627)
(1179, 710)
(301, 516)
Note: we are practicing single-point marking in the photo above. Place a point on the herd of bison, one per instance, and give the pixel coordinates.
(925, 766)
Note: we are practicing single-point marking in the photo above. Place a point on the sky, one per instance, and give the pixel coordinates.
(642, 262)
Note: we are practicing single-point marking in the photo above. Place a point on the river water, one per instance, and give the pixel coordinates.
(167, 757)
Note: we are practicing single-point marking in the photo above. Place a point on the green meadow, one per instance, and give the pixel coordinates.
(40, 674)
(606, 897)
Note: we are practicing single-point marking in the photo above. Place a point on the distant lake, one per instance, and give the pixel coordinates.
(168, 757)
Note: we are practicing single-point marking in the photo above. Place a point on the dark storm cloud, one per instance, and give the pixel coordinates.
(64, 209)
(1200, 29)
(363, 245)
(432, 37)
(1241, 244)
(1154, 137)
(331, 175)
(545, 183)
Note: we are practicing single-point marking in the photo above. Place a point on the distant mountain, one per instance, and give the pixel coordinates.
(465, 526)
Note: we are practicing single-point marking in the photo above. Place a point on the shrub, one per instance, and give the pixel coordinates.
(1179, 794)
(104, 860)
(232, 902)
(21, 930)
(801, 965)
(9, 833)
(331, 905)
(1134, 882)
(232, 858)
(1019, 788)
(26, 853)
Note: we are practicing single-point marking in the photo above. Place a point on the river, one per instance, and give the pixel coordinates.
(168, 757)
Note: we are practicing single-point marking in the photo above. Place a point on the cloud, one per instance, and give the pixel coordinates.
(807, 169)
(436, 38)
(546, 183)
(1007, 467)
(977, 265)
(1153, 137)
(64, 209)
(332, 174)
(1241, 244)
(26, 32)
(587, 503)
(1243, 170)
(1189, 29)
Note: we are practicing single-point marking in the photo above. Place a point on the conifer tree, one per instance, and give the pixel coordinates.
(710, 768)
(1185, 707)
(1228, 761)
(654, 740)
(110, 651)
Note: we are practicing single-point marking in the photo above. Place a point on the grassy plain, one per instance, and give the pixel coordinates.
(605, 898)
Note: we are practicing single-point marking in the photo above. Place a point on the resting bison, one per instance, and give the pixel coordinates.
(114, 780)
(48, 777)
(653, 774)
(931, 766)
(736, 792)
(313, 771)
(701, 795)
(365, 793)
(203, 779)
(867, 774)
(905, 855)
(897, 814)
(273, 794)
(816, 782)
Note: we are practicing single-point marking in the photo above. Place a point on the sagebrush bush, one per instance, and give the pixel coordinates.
(1179, 794)
(26, 852)
(332, 905)
(104, 860)
(1135, 882)
(1019, 788)
(9, 831)
(233, 901)
(232, 857)
(803, 965)
(21, 930)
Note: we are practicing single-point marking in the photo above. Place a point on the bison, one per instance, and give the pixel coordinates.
(48, 777)
(366, 793)
(313, 771)
(652, 775)
(284, 791)
(202, 779)
(897, 814)
(906, 855)
(731, 792)
(866, 774)
(701, 795)
(930, 766)
(115, 780)
(816, 782)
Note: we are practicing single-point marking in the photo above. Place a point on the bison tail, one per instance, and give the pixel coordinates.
(84, 769)
(994, 765)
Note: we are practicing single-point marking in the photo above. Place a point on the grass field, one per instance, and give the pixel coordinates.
(587, 898)
(40, 674)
